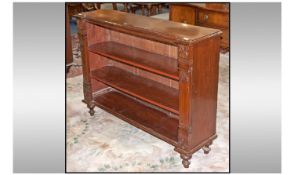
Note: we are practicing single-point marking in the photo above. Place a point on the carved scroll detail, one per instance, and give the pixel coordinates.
(185, 63)
(183, 51)
(185, 60)
(185, 75)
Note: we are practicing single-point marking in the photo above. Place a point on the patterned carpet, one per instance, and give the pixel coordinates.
(104, 143)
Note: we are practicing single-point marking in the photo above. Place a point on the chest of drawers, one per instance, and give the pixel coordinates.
(213, 15)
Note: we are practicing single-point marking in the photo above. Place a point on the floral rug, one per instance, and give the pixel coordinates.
(104, 143)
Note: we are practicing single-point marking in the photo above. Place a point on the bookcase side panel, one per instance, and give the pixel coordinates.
(204, 90)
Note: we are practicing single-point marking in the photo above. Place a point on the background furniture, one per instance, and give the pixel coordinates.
(159, 76)
(152, 8)
(70, 10)
(214, 15)
(114, 6)
(75, 8)
(68, 53)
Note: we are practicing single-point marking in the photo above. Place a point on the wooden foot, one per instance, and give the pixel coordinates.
(91, 109)
(186, 159)
(206, 148)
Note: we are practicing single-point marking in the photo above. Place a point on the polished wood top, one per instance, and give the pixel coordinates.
(150, 28)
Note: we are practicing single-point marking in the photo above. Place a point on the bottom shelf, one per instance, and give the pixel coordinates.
(154, 121)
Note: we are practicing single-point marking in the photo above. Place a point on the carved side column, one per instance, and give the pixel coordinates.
(87, 87)
(185, 59)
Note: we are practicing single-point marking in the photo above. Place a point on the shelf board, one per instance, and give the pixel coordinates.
(133, 111)
(155, 63)
(145, 89)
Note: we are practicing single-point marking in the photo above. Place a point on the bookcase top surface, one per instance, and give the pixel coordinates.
(151, 28)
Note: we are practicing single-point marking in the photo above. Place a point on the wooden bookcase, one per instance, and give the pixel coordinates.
(157, 75)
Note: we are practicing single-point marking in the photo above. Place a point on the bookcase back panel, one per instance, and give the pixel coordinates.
(96, 62)
(144, 44)
(97, 34)
(158, 78)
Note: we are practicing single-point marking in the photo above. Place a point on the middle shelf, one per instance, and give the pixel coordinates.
(152, 62)
(139, 87)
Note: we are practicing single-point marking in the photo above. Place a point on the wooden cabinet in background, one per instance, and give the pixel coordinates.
(157, 75)
(213, 15)
(183, 14)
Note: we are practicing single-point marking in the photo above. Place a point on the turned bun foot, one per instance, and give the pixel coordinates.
(185, 160)
(91, 109)
(206, 148)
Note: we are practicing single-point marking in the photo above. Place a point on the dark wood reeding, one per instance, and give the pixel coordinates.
(185, 59)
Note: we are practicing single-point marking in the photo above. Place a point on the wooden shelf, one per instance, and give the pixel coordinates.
(142, 88)
(152, 62)
(131, 110)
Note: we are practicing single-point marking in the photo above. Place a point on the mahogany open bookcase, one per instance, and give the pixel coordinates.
(157, 75)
